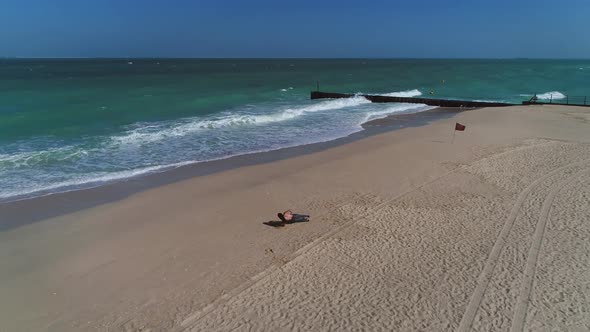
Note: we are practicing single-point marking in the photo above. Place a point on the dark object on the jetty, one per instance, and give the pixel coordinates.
(413, 100)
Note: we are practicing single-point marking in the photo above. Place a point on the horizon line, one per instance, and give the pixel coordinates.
(287, 58)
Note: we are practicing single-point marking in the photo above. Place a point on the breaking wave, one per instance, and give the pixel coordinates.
(407, 93)
(551, 95)
(397, 109)
(152, 133)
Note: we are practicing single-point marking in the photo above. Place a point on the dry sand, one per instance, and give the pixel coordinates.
(408, 233)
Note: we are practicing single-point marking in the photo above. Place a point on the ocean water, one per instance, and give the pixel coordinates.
(67, 124)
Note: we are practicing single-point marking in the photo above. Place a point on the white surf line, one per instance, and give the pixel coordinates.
(190, 321)
(486, 274)
(522, 303)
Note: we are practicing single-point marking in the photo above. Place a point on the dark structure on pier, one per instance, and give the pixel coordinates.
(413, 100)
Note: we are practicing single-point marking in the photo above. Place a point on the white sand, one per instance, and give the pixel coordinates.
(460, 253)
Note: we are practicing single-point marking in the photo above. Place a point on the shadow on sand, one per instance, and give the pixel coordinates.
(279, 223)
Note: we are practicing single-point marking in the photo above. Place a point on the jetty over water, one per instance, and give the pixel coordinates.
(567, 100)
(412, 100)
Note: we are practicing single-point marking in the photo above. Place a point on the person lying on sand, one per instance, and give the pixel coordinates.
(289, 217)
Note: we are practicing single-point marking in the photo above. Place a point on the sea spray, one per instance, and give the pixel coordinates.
(551, 95)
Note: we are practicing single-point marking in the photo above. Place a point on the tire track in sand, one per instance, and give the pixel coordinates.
(526, 287)
(487, 272)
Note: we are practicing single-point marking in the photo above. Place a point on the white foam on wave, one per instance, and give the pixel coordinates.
(86, 180)
(551, 95)
(157, 132)
(397, 108)
(407, 93)
(97, 179)
(33, 158)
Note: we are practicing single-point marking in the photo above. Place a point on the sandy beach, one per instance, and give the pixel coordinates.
(408, 233)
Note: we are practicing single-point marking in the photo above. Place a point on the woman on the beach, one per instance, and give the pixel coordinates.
(289, 217)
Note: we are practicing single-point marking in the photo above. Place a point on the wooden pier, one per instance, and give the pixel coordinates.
(413, 100)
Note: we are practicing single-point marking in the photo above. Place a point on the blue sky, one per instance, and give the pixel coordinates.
(301, 28)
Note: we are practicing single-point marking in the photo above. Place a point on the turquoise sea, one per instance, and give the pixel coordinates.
(67, 124)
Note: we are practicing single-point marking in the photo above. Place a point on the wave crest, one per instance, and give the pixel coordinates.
(397, 108)
(551, 95)
(407, 93)
(153, 133)
(43, 158)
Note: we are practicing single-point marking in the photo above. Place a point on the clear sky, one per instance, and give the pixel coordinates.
(299, 28)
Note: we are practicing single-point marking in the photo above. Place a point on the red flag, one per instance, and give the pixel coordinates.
(459, 127)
